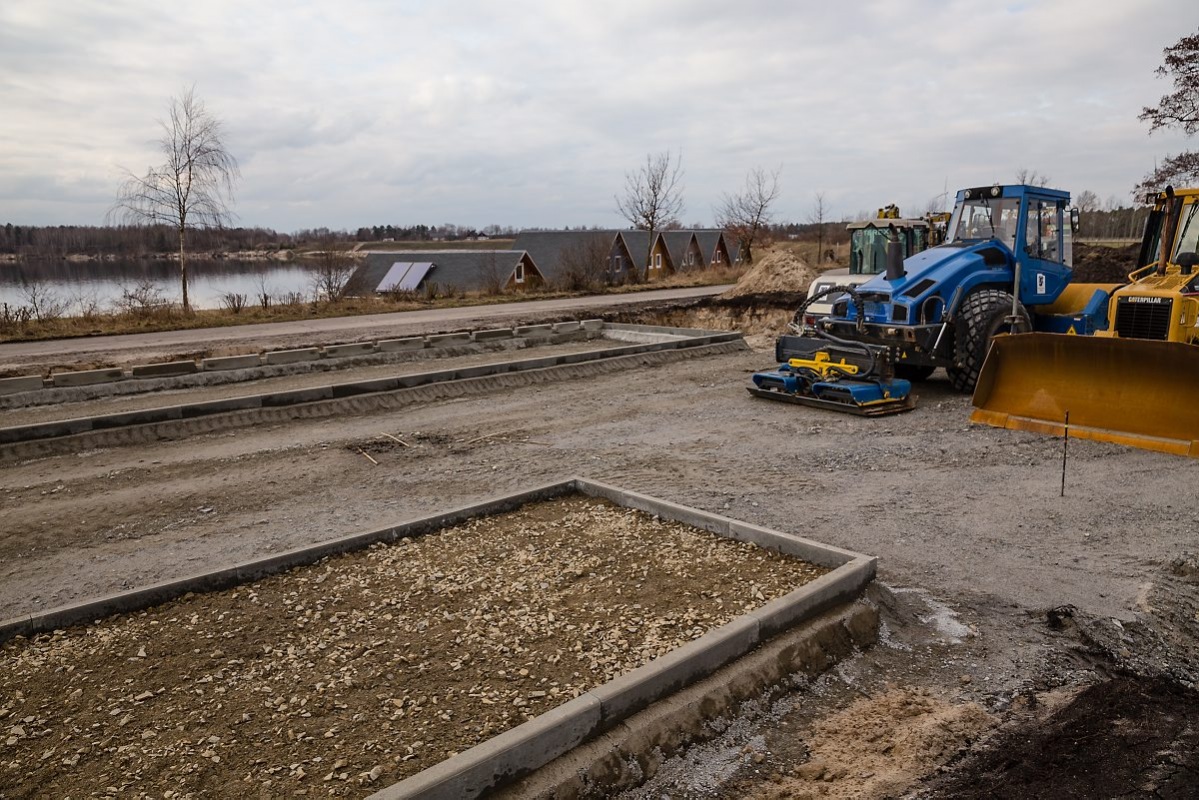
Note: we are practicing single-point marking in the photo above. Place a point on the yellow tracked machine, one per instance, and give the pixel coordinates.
(1135, 382)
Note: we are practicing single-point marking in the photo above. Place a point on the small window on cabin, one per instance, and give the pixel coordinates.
(657, 261)
(1044, 229)
(520, 272)
(719, 258)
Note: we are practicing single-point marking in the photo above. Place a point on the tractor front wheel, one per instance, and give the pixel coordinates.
(983, 314)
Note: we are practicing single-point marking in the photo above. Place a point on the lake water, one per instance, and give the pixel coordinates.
(103, 283)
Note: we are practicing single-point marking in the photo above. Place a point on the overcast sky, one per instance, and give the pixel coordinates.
(529, 113)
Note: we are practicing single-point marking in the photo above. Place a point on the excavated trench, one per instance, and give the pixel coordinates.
(762, 316)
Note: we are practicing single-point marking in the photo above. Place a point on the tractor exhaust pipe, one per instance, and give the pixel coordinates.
(894, 255)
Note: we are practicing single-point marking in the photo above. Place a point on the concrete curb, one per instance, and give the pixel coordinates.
(240, 412)
(527, 747)
(155, 377)
(536, 743)
(51, 430)
(628, 754)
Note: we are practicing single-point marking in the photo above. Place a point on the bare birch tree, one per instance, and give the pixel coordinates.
(652, 196)
(747, 214)
(193, 189)
(817, 217)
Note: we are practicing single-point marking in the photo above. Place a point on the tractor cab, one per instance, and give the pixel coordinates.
(868, 244)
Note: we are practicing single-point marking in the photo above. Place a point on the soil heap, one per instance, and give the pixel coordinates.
(1103, 264)
(778, 271)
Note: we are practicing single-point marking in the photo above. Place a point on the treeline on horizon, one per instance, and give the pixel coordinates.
(131, 241)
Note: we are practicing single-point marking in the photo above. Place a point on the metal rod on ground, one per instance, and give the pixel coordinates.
(396, 439)
(1065, 445)
(367, 456)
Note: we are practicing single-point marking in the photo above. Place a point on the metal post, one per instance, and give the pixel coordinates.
(1065, 446)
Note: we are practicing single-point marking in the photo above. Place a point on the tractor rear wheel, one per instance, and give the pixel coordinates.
(983, 314)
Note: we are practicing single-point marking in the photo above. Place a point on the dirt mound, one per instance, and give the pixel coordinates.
(1123, 738)
(1101, 264)
(879, 746)
(777, 271)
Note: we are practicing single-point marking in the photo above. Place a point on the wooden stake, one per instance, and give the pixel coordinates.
(395, 439)
(481, 438)
(367, 456)
(1065, 446)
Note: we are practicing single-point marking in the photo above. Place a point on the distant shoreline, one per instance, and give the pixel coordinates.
(219, 255)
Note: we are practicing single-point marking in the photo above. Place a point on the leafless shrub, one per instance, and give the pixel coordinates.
(86, 305)
(263, 295)
(400, 296)
(331, 275)
(234, 302)
(292, 299)
(44, 304)
(491, 274)
(143, 300)
(14, 317)
(585, 264)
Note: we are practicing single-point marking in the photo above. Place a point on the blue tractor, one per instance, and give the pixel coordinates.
(1005, 267)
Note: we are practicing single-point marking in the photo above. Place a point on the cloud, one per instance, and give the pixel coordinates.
(530, 113)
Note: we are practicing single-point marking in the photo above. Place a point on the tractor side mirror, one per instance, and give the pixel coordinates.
(1073, 220)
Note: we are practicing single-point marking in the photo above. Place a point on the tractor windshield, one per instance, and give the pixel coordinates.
(985, 218)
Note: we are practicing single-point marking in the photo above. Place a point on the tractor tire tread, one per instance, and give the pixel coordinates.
(975, 329)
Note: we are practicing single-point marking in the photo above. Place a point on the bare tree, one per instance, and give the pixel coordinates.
(1087, 201)
(817, 217)
(331, 274)
(491, 276)
(586, 263)
(747, 214)
(193, 189)
(1179, 109)
(652, 198)
(1030, 177)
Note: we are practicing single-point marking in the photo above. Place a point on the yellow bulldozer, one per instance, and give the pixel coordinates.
(1133, 382)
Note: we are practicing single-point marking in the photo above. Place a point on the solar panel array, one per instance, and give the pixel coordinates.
(404, 276)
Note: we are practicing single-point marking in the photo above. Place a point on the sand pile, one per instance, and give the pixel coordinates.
(880, 746)
(775, 271)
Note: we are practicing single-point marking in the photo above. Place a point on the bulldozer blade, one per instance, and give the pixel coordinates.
(1129, 391)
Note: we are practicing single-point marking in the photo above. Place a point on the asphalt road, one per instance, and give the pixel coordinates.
(347, 328)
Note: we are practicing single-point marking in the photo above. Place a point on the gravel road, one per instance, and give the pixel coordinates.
(148, 347)
(976, 547)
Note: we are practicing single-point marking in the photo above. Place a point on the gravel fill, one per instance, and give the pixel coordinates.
(342, 677)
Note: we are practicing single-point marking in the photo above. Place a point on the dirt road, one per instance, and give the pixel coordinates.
(979, 554)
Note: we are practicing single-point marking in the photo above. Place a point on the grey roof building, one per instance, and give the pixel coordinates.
(718, 248)
(463, 270)
(563, 257)
(683, 250)
(637, 243)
